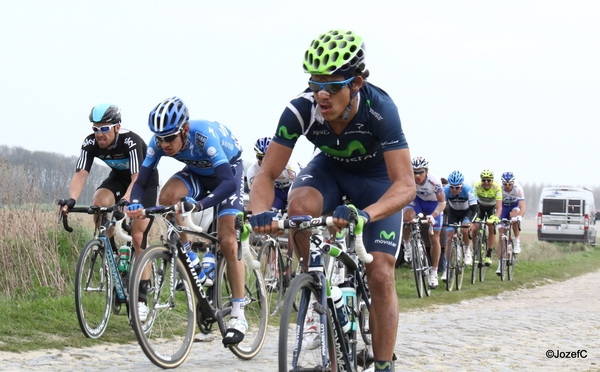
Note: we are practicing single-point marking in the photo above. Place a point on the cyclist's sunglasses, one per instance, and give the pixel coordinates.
(168, 138)
(456, 187)
(260, 157)
(419, 172)
(104, 129)
(331, 87)
(486, 181)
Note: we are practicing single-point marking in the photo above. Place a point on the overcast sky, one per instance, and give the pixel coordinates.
(511, 85)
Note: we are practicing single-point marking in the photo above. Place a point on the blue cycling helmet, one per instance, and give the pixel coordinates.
(168, 116)
(260, 147)
(507, 177)
(456, 178)
(105, 113)
(420, 162)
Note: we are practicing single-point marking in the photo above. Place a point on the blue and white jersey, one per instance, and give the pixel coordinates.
(514, 196)
(430, 189)
(209, 144)
(373, 130)
(463, 200)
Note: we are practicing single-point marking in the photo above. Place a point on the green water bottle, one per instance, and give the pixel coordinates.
(124, 257)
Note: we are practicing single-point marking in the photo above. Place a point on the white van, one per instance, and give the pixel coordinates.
(567, 214)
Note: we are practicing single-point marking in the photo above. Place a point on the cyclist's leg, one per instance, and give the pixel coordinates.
(385, 248)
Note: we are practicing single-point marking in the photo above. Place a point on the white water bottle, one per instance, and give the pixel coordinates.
(340, 306)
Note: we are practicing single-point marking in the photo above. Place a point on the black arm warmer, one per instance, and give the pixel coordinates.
(226, 187)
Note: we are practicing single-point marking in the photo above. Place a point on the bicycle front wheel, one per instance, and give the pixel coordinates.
(460, 265)
(93, 289)
(510, 264)
(172, 312)
(425, 267)
(477, 259)
(300, 339)
(503, 259)
(271, 268)
(483, 249)
(417, 268)
(256, 308)
(451, 270)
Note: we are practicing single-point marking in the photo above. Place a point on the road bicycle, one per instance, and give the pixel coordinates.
(419, 262)
(507, 257)
(480, 246)
(336, 349)
(455, 264)
(180, 302)
(100, 288)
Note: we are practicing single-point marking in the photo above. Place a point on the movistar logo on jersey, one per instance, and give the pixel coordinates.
(283, 132)
(387, 238)
(347, 152)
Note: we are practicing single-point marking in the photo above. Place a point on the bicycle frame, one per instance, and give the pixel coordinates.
(344, 342)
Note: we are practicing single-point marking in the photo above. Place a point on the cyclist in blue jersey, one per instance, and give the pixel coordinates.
(123, 151)
(513, 209)
(363, 155)
(212, 176)
(461, 208)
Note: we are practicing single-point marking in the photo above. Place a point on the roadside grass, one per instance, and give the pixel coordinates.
(44, 317)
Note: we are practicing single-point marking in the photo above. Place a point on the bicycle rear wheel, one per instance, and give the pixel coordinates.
(173, 312)
(296, 352)
(256, 308)
(271, 268)
(93, 289)
(451, 270)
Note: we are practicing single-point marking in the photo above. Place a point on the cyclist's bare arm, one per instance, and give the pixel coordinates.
(76, 186)
(403, 189)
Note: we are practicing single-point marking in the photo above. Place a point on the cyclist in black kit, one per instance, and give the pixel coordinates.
(123, 151)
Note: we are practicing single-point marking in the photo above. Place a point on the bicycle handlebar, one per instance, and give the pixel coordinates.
(186, 210)
(306, 222)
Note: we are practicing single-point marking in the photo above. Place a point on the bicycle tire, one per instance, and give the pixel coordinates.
(503, 259)
(93, 299)
(256, 308)
(451, 269)
(271, 268)
(425, 267)
(170, 340)
(476, 259)
(460, 265)
(291, 329)
(510, 265)
(364, 312)
(417, 269)
(483, 250)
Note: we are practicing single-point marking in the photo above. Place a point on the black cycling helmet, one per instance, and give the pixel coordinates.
(106, 113)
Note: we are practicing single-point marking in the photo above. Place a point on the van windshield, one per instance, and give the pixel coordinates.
(562, 206)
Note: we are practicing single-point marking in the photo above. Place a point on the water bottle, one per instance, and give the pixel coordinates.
(349, 295)
(193, 257)
(340, 306)
(124, 256)
(208, 268)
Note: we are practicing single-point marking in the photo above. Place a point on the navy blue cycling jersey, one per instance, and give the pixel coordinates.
(124, 157)
(374, 129)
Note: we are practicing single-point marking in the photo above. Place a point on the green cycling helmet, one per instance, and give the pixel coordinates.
(336, 52)
(487, 174)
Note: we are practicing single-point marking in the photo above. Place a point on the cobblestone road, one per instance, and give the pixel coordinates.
(522, 328)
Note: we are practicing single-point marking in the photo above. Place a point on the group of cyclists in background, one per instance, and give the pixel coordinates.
(449, 201)
(363, 155)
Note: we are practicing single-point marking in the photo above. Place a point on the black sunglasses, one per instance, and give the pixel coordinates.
(486, 181)
(456, 187)
(168, 138)
(419, 172)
